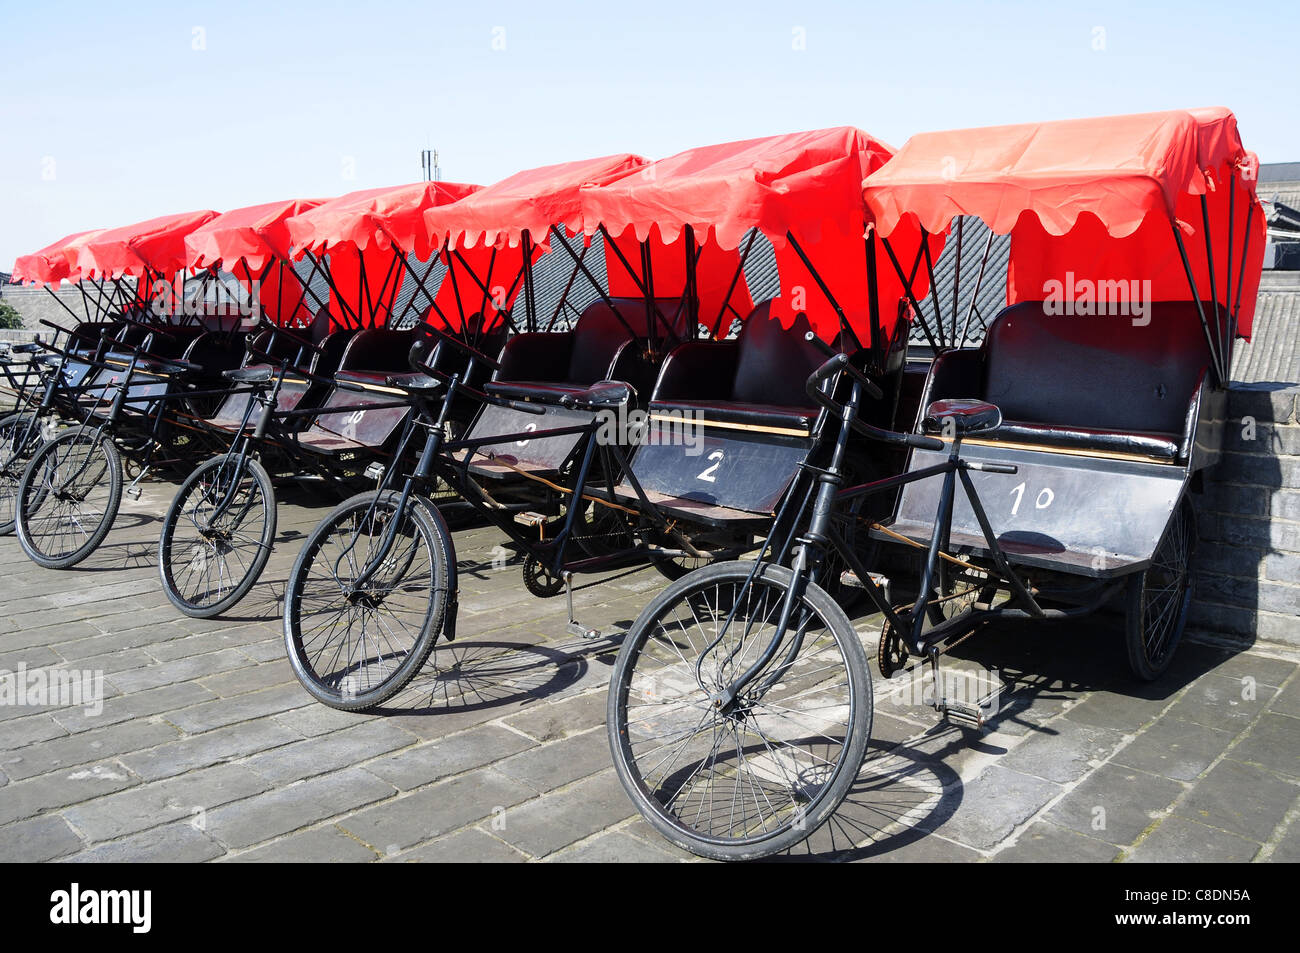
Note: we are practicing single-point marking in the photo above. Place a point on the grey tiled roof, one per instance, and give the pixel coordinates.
(1279, 172)
(992, 295)
(1273, 353)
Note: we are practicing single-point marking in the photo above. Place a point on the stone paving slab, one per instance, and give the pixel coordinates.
(205, 747)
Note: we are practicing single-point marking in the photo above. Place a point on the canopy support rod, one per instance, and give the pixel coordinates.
(503, 311)
(306, 287)
(420, 283)
(907, 289)
(1241, 276)
(85, 299)
(956, 275)
(692, 299)
(974, 295)
(845, 327)
(338, 295)
(530, 303)
(100, 297)
(636, 279)
(879, 343)
(1200, 307)
(934, 289)
(647, 269)
(72, 313)
(604, 296)
(484, 288)
(455, 285)
(735, 280)
(386, 299)
(1214, 284)
(1227, 285)
(573, 276)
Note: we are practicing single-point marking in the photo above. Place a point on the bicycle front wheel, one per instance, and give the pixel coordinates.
(68, 498)
(20, 436)
(355, 646)
(756, 777)
(217, 536)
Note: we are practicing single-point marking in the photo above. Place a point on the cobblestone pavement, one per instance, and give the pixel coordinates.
(206, 748)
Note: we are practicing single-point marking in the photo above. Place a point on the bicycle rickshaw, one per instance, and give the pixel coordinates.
(71, 487)
(741, 701)
(313, 399)
(338, 417)
(388, 552)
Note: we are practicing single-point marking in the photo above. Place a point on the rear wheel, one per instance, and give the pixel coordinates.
(209, 560)
(68, 498)
(20, 436)
(355, 647)
(755, 777)
(1158, 598)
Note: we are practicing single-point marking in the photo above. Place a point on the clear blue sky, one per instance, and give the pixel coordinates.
(112, 116)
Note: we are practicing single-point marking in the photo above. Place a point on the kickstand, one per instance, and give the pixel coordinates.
(576, 627)
(134, 491)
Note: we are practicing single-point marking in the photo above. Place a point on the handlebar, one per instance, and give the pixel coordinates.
(415, 357)
(457, 342)
(158, 328)
(267, 324)
(873, 391)
(837, 362)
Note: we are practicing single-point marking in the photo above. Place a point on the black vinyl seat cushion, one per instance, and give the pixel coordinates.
(757, 380)
(1088, 383)
(545, 391)
(1147, 443)
(740, 413)
(600, 347)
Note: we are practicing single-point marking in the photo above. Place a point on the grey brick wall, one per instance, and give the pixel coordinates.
(1247, 585)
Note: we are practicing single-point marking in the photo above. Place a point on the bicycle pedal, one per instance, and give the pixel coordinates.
(134, 492)
(582, 632)
(849, 578)
(529, 518)
(974, 716)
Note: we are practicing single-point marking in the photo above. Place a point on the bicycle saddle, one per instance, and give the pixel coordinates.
(152, 366)
(966, 416)
(257, 374)
(414, 382)
(601, 394)
(31, 347)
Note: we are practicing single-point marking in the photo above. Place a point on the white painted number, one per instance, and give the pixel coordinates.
(1041, 502)
(529, 429)
(1019, 491)
(710, 474)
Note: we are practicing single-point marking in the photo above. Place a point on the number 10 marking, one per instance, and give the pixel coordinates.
(1041, 502)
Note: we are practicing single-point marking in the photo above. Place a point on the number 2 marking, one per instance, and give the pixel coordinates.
(529, 429)
(709, 474)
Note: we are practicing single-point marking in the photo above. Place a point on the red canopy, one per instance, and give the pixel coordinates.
(255, 234)
(530, 201)
(247, 242)
(362, 232)
(1092, 197)
(156, 245)
(54, 263)
(806, 186)
(383, 218)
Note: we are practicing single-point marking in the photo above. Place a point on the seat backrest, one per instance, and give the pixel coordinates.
(601, 330)
(1096, 371)
(773, 363)
(379, 349)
